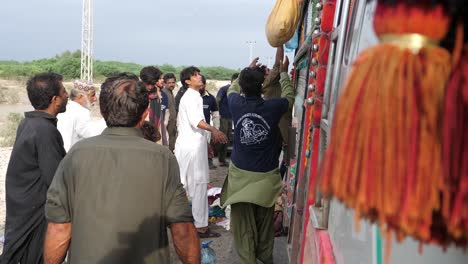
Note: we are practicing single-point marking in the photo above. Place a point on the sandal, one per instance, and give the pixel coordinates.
(208, 233)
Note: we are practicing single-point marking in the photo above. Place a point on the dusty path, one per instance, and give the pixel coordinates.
(224, 245)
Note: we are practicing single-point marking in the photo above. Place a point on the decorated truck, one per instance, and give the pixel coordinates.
(325, 222)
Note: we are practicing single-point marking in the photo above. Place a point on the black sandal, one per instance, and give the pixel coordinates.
(208, 234)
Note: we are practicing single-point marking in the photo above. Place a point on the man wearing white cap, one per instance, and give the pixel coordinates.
(75, 124)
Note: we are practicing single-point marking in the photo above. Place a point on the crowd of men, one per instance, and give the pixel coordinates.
(96, 191)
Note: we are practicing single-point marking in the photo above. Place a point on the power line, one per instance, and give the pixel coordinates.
(251, 44)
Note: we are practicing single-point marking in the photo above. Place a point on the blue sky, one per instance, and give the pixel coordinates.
(178, 32)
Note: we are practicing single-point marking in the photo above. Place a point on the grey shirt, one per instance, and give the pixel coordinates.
(120, 192)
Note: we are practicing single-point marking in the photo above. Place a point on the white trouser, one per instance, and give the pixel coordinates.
(199, 196)
(192, 156)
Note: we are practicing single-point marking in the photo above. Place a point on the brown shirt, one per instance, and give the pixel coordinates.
(271, 86)
(120, 192)
(272, 89)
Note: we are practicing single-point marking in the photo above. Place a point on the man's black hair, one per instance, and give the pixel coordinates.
(150, 132)
(234, 76)
(203, 79)
(150, 75)
(250, 81)
(123, 100)
(168, 76)
(186, 73)
(42, 88)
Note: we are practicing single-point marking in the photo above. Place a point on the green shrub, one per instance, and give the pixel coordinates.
(8, 131)
(69, 65)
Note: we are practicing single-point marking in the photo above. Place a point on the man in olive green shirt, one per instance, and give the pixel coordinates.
(108, 203)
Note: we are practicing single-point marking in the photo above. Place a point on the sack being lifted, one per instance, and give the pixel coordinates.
(282, 22)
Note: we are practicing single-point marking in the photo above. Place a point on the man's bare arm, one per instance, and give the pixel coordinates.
(218, 136)
(279, 55)
(186, 242)
(56, 243)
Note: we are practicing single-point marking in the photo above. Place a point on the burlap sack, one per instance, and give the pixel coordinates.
(282, 21)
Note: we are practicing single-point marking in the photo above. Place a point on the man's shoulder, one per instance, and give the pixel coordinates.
(181, 91)
(166, 91)
(39, 125)
(276, 103)
(212, 97)
(234, 96)
(92, 145)
(223, 89)
(235, 99)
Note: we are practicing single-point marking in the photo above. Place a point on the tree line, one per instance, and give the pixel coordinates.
(68, 64)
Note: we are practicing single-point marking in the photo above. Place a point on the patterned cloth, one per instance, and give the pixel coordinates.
(83, 85)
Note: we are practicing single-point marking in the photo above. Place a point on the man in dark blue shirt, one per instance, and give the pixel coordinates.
(210, 108)
(254, 181)
(225, 121)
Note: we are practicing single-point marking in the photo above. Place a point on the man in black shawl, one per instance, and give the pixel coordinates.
(153, 78)
(37, 151)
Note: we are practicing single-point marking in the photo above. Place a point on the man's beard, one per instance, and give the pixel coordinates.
(87, 104)
(63, 107)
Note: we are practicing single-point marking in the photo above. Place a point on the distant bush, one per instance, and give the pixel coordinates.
(69, 65)
(211, 87)
(8, 131)
(9, 96)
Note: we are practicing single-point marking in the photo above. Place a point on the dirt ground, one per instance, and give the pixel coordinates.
(223, 246)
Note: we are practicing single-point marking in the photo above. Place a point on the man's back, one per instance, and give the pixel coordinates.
(120, 192)
(72, 123)
(257, 142)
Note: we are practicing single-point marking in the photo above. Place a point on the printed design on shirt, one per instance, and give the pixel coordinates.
(254, 129)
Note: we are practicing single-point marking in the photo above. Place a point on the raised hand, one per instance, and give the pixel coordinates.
(254, 64)
(284, 65)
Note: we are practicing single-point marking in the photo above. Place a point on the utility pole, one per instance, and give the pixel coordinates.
(87, 43)
(251, 44)
(269, 62)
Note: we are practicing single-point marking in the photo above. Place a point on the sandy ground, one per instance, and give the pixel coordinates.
(4, 158)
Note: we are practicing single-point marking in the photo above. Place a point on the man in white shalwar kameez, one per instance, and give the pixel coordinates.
(75, 123)
(190, 148)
